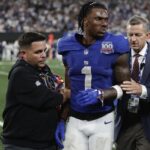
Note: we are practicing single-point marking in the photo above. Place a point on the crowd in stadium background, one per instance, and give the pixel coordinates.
(53, 16)
(60, 15)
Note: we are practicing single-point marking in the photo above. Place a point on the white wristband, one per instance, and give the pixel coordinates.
(118, 90)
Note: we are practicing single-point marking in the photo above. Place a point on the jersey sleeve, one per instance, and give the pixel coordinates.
(121, 44)
(67, 43)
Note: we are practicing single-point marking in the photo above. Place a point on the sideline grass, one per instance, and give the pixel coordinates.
(1, 145)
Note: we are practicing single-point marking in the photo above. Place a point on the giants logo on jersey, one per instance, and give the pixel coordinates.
(107, 48)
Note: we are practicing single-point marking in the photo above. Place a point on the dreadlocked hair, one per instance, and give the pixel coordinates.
(86, 8)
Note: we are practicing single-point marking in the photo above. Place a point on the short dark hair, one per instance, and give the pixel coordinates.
(136, 20)
(26, 39)
(85, 10)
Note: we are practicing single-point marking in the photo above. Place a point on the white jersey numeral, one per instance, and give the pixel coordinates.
(88, 76)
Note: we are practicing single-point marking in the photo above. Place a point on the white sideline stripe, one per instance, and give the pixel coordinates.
(1, 123)
(3, 73)
(6, 63)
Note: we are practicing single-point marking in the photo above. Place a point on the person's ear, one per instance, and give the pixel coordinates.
(21, 54)
(148, 35)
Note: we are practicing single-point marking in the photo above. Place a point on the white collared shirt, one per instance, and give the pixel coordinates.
(141, 60)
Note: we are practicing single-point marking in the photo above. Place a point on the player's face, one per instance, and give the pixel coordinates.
(96, 22)
(36, 54)
(137, 36)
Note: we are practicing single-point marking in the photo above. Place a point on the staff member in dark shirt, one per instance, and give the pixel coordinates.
(30, 115)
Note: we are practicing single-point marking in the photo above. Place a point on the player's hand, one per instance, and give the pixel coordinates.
(88, 97)
(60, 134)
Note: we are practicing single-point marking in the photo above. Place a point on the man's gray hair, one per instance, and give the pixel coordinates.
(136, 20)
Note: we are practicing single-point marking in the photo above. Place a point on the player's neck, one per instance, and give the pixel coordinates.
(88, 40)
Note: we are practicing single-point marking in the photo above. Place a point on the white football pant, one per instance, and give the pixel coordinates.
(90, 135)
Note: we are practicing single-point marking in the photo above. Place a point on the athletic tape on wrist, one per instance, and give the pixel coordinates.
(118, 90)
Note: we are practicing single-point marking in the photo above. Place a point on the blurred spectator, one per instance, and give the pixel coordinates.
(10, 50)
(60, 15)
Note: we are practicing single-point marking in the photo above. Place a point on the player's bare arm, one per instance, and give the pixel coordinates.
(66, 107)
(122, 73)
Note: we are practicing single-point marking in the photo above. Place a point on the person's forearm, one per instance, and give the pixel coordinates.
(65, 110)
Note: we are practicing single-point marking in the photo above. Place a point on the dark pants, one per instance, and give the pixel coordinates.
(13, 147)
(133, 138)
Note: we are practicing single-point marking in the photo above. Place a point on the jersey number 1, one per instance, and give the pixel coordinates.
(86, 70)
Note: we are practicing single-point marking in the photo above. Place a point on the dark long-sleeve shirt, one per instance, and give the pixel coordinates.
(30, 115)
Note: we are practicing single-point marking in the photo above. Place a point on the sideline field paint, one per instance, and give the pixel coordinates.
(3, 73)
(1, 123)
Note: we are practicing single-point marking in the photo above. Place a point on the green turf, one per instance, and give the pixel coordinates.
(3, 86)
(4, 67)
(57, 67)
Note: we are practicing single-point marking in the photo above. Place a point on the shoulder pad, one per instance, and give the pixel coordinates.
(68, 43)
(121, 44)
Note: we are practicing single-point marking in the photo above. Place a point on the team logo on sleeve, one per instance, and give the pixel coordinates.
(107, 48)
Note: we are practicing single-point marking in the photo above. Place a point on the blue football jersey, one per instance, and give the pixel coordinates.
(91, 67)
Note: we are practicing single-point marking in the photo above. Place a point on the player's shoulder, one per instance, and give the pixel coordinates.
(67, 43)
(115, 37)
(119, 41)
(66, 39)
